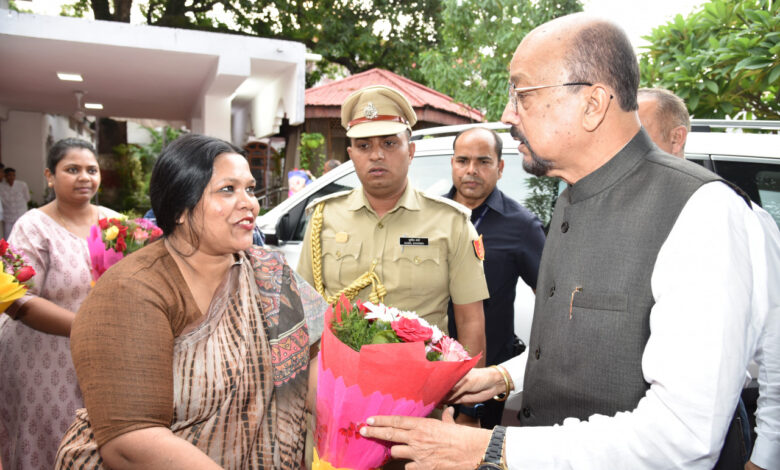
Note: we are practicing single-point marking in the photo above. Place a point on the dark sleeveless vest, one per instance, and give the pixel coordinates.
(593, 298)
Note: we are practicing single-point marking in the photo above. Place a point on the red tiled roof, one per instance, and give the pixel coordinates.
(334, 93)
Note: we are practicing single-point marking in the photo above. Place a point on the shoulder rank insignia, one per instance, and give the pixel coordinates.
(479, 248)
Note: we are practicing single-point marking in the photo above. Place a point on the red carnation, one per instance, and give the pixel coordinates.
(411, 330)
(25, 274)
(103, 223)
(3, 246)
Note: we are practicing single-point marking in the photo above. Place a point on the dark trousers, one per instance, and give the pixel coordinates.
(736, 448)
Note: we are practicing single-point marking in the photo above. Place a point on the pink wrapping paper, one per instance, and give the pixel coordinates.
(382, 379)
(101, 258)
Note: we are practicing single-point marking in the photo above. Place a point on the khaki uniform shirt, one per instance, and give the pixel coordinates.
(423, 247)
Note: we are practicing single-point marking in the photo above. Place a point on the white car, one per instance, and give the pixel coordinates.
(752, 161)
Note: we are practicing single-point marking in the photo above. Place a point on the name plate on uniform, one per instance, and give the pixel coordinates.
(414, 241)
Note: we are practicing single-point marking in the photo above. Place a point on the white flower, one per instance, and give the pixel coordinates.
(387, 314)
(437, 334)
(407, 314)
(380, 312)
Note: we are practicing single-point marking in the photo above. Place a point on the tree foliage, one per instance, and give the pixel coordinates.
(355, 34)
(542, 193)
(478, 38)
(311, 151)
(116, 10)
(134, 169)
(723, 59)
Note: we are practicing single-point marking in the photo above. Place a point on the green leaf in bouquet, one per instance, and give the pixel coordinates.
(384, 337)
(355, 331)
(433, 356)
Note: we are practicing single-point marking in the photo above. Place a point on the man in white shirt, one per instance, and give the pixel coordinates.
(665, 117)
(14, 194)
(635, 371)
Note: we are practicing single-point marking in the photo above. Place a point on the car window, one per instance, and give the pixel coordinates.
(761, 181)
(768, 183)
(433, 174)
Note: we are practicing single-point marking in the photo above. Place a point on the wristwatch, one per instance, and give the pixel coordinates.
(493, 459)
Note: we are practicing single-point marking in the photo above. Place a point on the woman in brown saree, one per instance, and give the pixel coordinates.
(194, 351)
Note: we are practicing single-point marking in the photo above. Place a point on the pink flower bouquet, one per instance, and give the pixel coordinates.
(377, 360)
(113, 239)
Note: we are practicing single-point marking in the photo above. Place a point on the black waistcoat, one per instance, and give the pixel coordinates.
(593, 298)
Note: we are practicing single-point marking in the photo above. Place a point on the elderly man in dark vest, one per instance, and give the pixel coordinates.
(642, 325)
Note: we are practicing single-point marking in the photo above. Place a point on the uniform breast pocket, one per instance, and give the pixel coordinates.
(422, 269)
(340, 261)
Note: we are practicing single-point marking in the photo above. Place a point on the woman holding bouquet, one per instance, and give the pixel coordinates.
(37, 379)
(211, 334)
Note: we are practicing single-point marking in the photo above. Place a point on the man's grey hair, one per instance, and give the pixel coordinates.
(602, 53)
(671, 111)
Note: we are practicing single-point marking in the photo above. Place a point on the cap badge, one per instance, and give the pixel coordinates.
(370, 111)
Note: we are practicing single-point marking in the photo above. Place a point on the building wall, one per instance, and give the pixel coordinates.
(137, 134)
(23, 139)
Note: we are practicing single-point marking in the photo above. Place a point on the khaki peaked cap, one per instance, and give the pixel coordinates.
(377, 110)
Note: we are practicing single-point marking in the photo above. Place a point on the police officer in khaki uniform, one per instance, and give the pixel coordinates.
(387, 241)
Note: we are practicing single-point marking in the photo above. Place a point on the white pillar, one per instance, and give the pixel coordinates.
(214, 108)
(216, 117)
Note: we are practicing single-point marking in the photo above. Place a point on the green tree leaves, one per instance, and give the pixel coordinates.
(477, 40)
(723, 60)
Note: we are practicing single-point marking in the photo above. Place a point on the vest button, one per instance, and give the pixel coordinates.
(552, 290)
(526, 411)
(565, 227)
(537, 353)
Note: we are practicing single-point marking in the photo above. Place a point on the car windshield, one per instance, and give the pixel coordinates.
(433, 174)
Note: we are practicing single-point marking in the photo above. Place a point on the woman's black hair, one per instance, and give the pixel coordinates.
(58, 151)
(180, 176)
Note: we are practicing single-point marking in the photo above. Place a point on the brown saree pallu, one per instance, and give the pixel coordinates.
(240, 376)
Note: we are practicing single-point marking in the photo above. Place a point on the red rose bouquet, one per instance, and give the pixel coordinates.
(15, 277)
(113, 239)
(377, 360)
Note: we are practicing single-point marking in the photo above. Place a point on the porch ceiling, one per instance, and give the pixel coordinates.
(137, 71)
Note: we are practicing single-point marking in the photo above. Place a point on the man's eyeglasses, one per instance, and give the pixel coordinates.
(515, 92)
